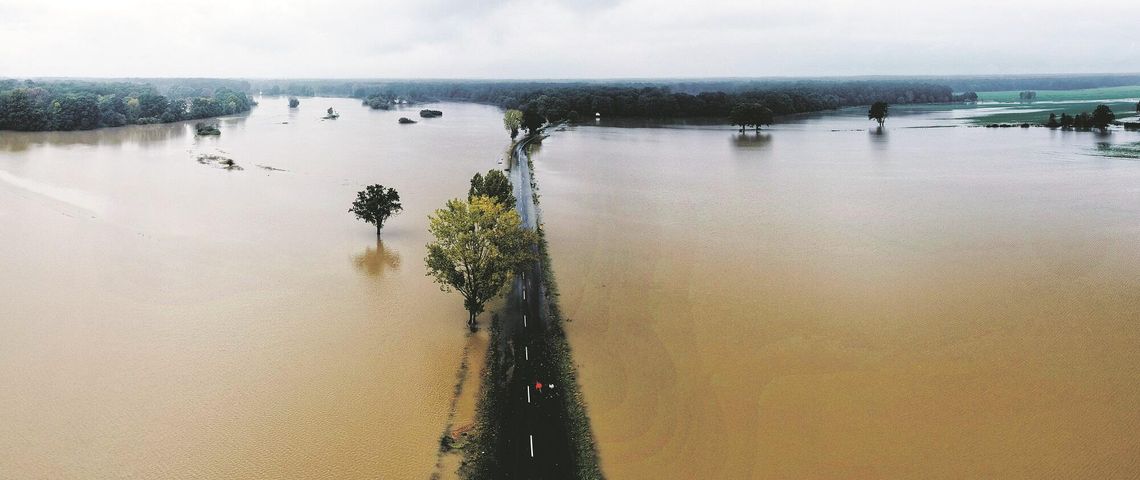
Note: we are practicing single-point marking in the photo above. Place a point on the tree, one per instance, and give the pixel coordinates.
(750, 115)
(495, 185)
(477, 246)
(532, 121)
(1083, 121)
(1066, 121)
(512, 121)
(293, 102)
(375, 204)
(1102, 117)
(1052, 123)
(878, 112)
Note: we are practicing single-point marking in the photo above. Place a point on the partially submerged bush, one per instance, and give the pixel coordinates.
(207, 129)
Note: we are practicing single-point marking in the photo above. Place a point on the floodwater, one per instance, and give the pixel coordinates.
(162, 318)
(823, 301)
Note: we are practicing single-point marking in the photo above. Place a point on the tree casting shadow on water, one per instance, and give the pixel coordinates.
(374, 262)
(755, 140)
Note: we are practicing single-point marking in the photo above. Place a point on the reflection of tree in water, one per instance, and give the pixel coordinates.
(375, 261)
(751, 140)
(142, 135)
(534, 147)
(878, 136)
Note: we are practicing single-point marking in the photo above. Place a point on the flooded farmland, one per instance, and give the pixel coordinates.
(166, 318)
(825, 301)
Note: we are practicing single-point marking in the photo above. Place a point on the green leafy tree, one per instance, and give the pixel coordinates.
(750, 115)
(495, 185)
(375, 204)
(878, 112)
(293, 102)
(1102, 117)
(1052, 123)
(512, 121)
(477, 246)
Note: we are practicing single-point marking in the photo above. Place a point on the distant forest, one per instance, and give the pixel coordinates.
(84, 105)
(559, 100)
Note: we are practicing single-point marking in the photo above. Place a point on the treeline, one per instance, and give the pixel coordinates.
(662, 102)
(72, 105)
(558, 100)
(1035, 82)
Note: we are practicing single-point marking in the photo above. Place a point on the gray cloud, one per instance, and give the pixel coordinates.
(563, 39)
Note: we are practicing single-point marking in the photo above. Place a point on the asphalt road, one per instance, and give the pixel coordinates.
(537, 444)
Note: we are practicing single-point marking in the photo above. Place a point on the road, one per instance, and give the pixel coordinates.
(537, 444)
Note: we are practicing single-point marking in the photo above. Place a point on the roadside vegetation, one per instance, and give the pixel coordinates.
(72, 105)
(477, 245)
(512, 121)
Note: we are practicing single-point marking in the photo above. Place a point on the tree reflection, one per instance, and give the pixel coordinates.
(755, 140)
(375, 261)
(878, 136)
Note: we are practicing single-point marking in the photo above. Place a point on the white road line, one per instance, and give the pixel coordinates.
(528, 394)
(526, 350)
(524, 319)
(532, 446)
(524, 292)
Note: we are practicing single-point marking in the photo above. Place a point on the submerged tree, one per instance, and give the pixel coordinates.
(293, 102)
(1052, 123)
(495, 185)
(1066, 121)
(375, 204)
(1102, 117)
(878, 112)
(750, 115)
(512, 121)
(477, 246)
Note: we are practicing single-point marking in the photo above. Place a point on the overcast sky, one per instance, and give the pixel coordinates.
(564, 38)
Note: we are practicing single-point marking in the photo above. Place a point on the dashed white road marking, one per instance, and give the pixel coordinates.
(532, 446)
(526, 351)
(528, 394)
(524, 320)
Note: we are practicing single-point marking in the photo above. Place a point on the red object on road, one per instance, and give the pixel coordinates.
(538, 386)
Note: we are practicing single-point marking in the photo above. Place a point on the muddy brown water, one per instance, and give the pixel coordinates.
(821, 301)
(162, 318)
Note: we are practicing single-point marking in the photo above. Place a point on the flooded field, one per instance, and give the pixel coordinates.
(165, 318)
(823, 301)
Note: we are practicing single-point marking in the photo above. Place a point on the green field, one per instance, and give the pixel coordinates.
(1039, 112)
(1004, 107)
(1086, 95)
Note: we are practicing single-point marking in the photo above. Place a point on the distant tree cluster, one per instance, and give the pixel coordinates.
(660, 102)
(1100, 118)
(39, 106)
(747, 115)
(1027, 96)
(553, 101)
(991, 83)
